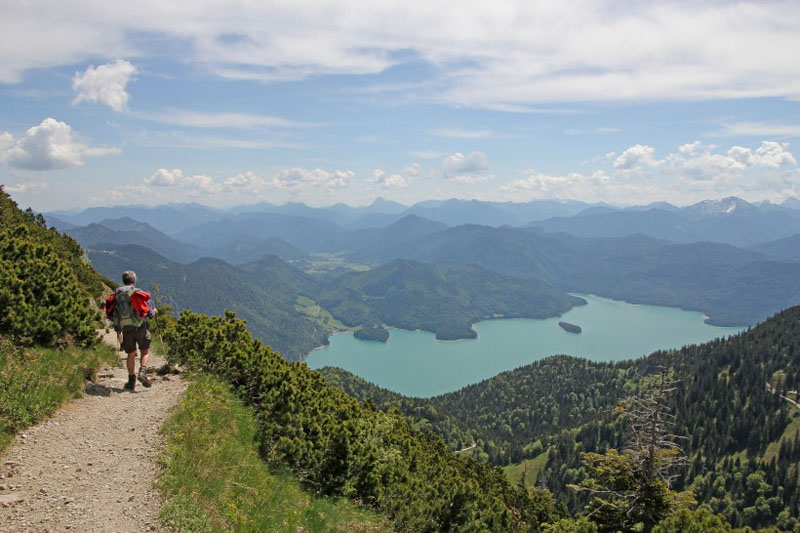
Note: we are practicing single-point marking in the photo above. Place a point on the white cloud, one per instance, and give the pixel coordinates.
(48, 146)
(462, 134)
(301, 178)
(246, 181)
(636, 155)
(692, 173)
(195, 185)
(689, 148)
(165, 178)
(772, 154)
(758, 129)
(500, 55)
(196, 119)
(397, 180)
(105, 84)
(573, 185)
(465, 168)
(428, 154)
(695, 161)
(179, 139)
(22, 187)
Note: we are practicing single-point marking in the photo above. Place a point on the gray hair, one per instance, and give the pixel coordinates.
(129, 277)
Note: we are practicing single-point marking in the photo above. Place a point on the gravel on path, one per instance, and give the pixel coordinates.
(91, 467)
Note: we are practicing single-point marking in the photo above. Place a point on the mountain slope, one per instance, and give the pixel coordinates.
(727, 402)
(734, 287)
(128, 231)
(413, 295)
(787, 249)
(210, 286)
(303, 232)
(169, 219)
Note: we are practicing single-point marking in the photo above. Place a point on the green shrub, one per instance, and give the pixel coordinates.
(41, 300)
(214, 481)
(340, 447)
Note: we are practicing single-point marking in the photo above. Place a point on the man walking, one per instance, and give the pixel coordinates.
(128, 307)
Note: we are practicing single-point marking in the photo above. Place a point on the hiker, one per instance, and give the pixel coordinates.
(129, 309)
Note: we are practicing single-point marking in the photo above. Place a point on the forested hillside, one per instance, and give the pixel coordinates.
(734, 403)
(405, 294)
(341, 447)
(734, 287)
(46, 281)
(413, 295)
(128, 231)
(264, 292)
(48, 339)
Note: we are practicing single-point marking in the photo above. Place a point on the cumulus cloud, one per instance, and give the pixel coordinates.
(636, 155)
(466, 168)
(195, 185)
(692, 172)
(246, 181)
(48, 146)
(573, 185)
(397, 180)
(165, 178)
(105, 85)
(301, 178)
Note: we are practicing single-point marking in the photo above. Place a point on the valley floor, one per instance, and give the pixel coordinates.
(92, 466)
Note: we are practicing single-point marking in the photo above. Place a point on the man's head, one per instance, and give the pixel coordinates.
(129, 277)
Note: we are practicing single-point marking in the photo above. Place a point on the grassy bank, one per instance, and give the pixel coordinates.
(34, 382)
(213, 479)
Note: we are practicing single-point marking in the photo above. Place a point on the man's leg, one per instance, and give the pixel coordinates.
(143, 367)
(131, 363)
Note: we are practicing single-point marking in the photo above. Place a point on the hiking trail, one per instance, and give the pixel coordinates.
(92, 466)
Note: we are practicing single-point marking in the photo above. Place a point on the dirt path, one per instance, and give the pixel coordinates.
(771, 389)
(91, 467)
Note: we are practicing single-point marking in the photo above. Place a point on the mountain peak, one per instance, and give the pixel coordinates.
(727, 205)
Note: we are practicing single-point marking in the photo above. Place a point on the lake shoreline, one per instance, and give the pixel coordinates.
(415, 363)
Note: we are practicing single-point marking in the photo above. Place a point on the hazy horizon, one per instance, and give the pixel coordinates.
(79, 209)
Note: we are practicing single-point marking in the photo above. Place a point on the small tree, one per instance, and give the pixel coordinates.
(630, 490)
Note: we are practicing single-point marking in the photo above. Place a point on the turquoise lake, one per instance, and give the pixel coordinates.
(414, 363)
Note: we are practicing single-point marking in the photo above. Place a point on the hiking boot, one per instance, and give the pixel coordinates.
(129, 385)
(143, 379)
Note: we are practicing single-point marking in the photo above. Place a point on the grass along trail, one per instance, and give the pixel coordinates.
(91, 467)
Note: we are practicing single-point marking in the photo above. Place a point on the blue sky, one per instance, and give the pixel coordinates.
(238, 102)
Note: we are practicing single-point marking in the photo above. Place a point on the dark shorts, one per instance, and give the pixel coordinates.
(132, 336)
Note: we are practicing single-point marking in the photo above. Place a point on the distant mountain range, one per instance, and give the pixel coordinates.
(735, 287)
(128, 231)
(729, 220)
(657, 254)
